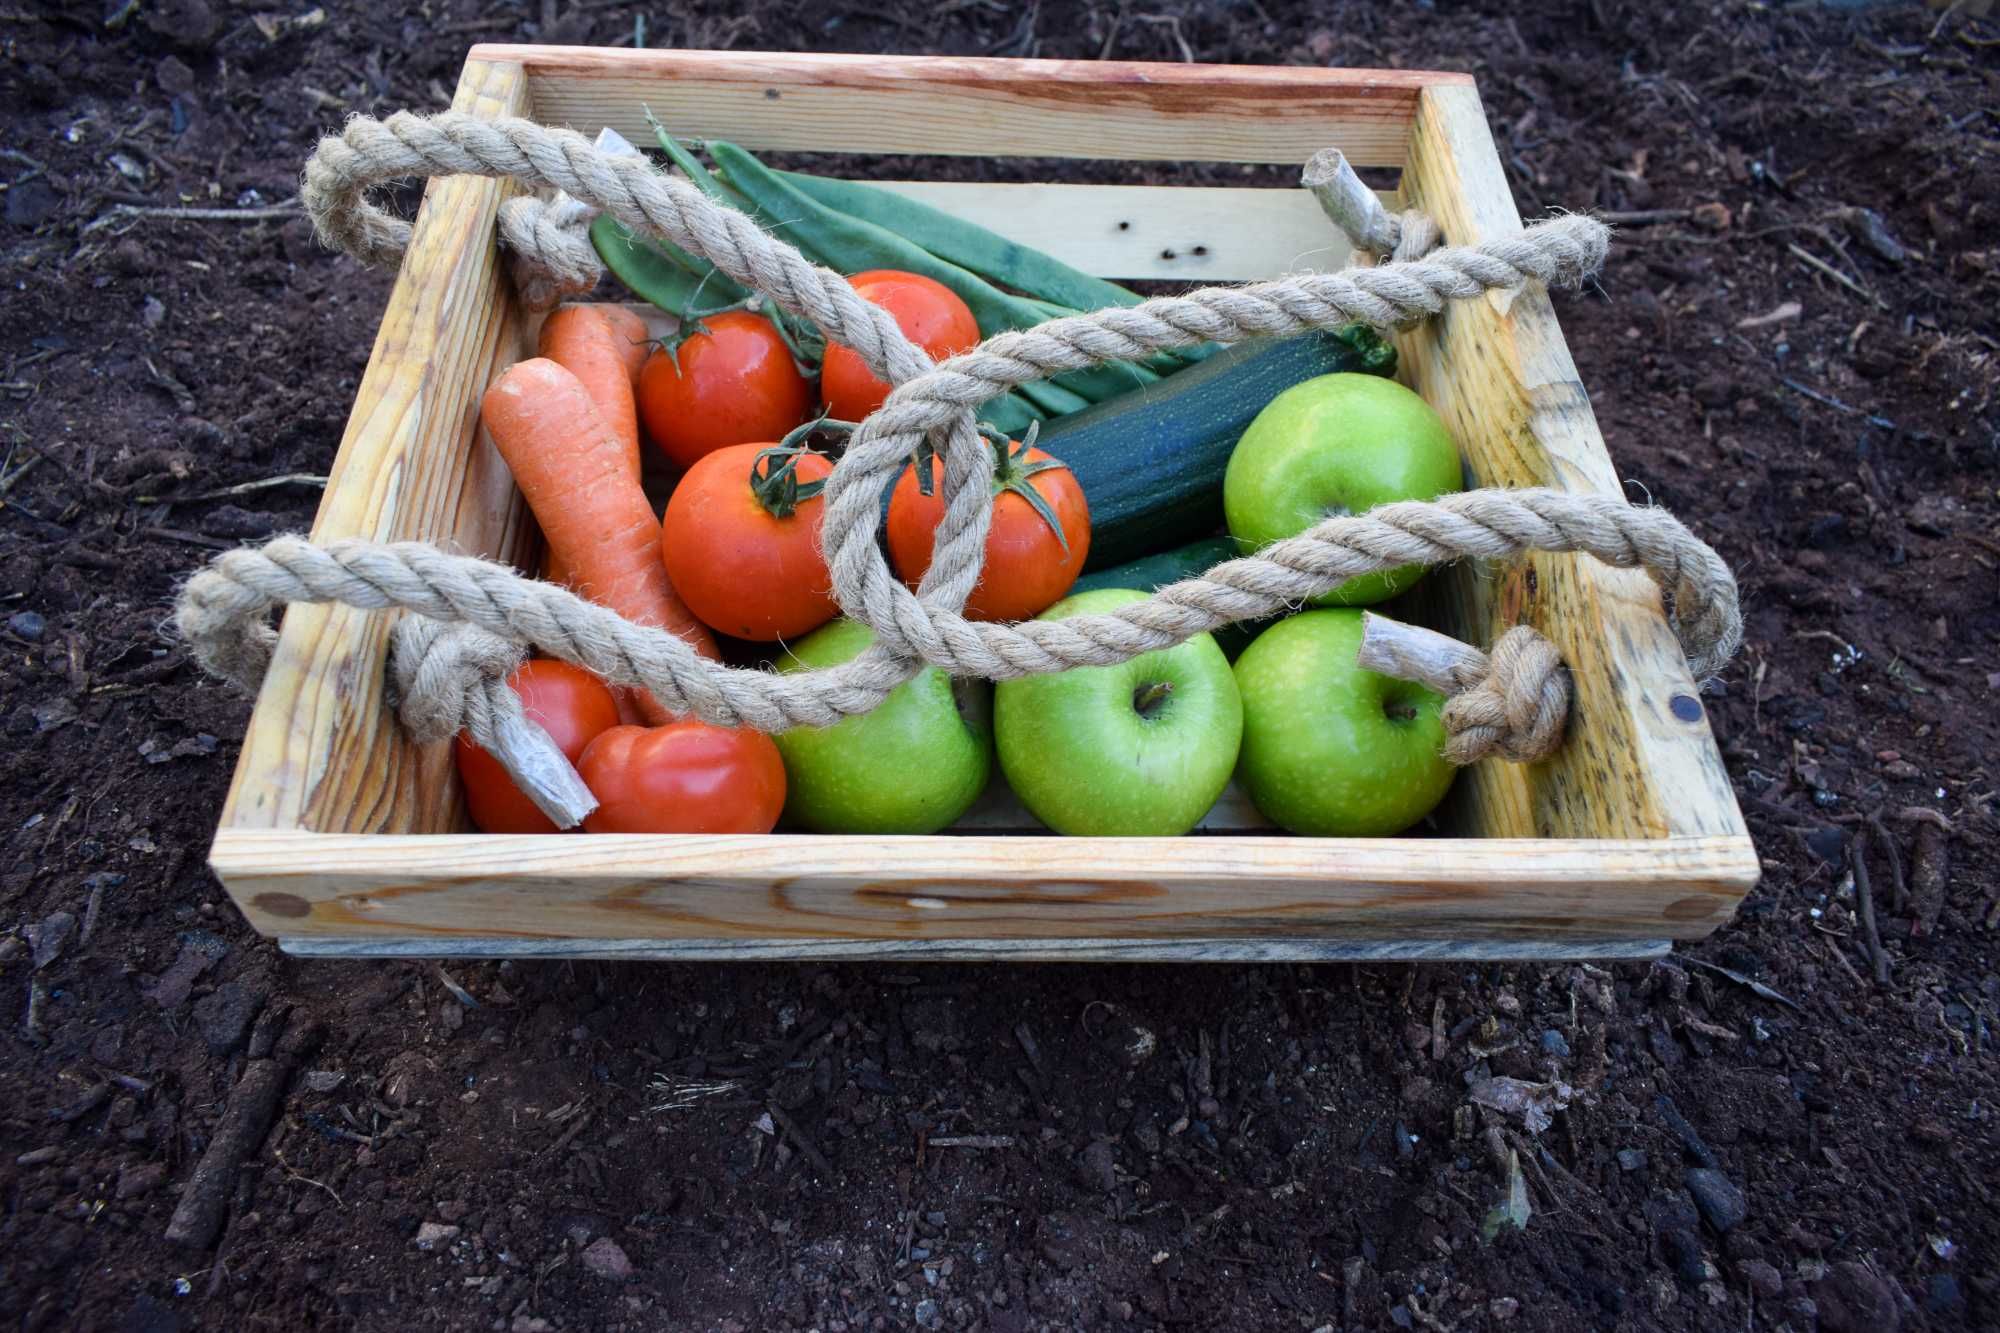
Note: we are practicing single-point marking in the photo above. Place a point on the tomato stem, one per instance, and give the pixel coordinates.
(1012, 471)
(774, 473)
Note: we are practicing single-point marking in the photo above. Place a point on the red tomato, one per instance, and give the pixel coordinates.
(685, 777)
(569, 703)
(741, 543)
(733, 384)
(1028, 568)
(925, 309)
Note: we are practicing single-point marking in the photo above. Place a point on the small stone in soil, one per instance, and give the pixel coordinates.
(1829, 844)
(927, 1315)
(1503, 1308)
(1720, 1199)
(141, 1179)
(1941, 1294)
(47, 937)
(1555, 1044)
(224, 1015)
(324, 1080)
(27, 625)
(1632, 1159)
(1094, 1167)
(1851, 1299)
(1761, 1278)
(432, 1235)
(604, 1258)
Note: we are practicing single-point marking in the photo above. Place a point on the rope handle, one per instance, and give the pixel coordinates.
(222, 610)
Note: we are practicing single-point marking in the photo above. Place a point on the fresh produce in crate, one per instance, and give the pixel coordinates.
(740, 540)
(1141, 749)
(913, 765)
(1329, 747)
(927, 312)
(571, 705)
(1152, 461)
(581, 340)
(1038, 541)
(724, 379)
(577, 479)
(683, 777)
(1338, 444)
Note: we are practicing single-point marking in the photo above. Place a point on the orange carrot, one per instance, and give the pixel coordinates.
(581, 340)
(633, 337)
(575, 475)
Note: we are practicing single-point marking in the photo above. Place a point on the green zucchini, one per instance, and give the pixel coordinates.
(1151, 460)
(1150, 573)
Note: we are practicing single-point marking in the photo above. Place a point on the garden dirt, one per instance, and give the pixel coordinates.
(1792, 347)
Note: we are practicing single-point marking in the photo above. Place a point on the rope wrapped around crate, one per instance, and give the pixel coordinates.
(224, 610)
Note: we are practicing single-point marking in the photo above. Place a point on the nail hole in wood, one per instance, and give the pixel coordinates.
(1168, 254)
(1685, 707)
(1124, 226)
(1201, 249)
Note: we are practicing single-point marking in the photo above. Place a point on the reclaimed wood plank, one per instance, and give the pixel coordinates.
(1187, 233)
(956, 106)
(1275, 949)
(834, 887)
(1640, 761)
(322, 751)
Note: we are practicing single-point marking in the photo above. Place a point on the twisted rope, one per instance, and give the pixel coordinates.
(1512, 702)
(223, 610)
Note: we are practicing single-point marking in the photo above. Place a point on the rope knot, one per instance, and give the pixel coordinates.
(549, 250)
(444, 677)
(1517, 707)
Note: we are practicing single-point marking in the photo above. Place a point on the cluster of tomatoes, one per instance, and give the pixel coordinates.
(730, 406)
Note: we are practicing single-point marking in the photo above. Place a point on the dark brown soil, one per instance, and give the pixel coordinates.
(1245, 1147)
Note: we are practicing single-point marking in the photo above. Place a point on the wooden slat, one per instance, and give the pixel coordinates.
(1499, 372)
(819, 887)
(1275, 949)
(322, 752)
(957, 106)
(1185, 233)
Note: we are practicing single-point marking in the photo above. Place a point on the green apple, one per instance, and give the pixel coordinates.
(1330, 748)
(1141, 749)
(913, 765)
(1337, 444)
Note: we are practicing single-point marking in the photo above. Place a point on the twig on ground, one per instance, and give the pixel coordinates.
(1865, 897)
(1808, 257)
(120, 212)
(972, 1141)
(1901, 899)
(240, 488)
(1755, 987)
(799, 1139)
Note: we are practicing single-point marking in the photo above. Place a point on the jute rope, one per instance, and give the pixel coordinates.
(222, 611)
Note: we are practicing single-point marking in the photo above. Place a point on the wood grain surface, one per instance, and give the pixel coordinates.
(956, 106)
(1639, 760)
(321, 750)
(820, 887)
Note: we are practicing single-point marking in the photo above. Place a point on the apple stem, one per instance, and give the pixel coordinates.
(1146, 700)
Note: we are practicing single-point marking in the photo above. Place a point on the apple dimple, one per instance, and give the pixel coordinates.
(1149, 698)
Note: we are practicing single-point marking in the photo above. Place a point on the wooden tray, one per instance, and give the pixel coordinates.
(341, 837)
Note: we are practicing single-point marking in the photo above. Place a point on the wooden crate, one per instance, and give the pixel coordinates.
(341, 837)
